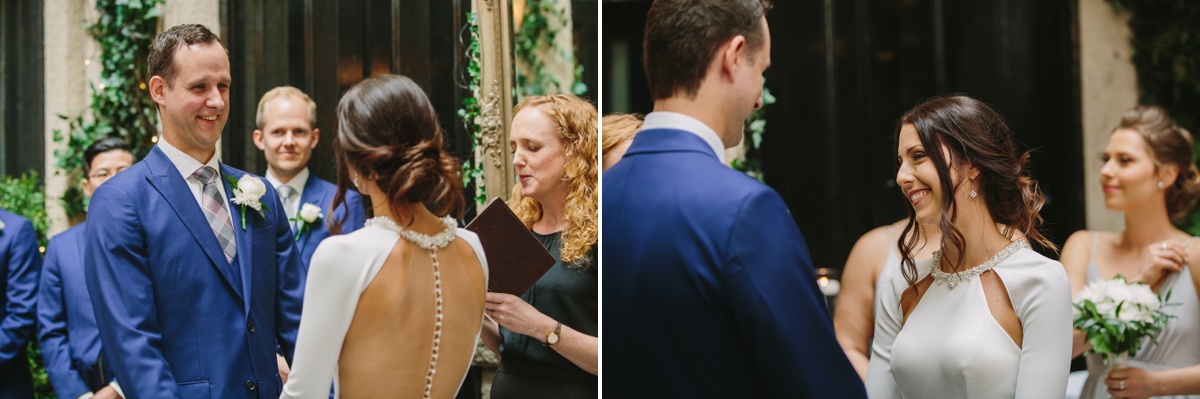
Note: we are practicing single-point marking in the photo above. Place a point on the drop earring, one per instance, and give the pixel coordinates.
(973, 194)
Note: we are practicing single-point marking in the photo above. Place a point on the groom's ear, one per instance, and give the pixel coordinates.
(158, 87)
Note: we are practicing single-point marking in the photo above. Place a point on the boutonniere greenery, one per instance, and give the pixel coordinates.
(308, 216)
(246, 193)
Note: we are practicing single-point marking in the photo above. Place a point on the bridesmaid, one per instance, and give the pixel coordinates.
(1148, 174)
(986, 316)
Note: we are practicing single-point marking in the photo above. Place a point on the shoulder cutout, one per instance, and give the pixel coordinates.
(912, 296)
(1001, 305)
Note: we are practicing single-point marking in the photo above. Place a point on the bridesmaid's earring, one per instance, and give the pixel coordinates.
(1161, 186)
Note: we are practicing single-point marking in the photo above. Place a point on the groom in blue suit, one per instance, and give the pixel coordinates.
(714, 293)
(195, 280)
(287, 135)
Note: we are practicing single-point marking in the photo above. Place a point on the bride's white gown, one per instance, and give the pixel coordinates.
(952, 347)
(373, 328)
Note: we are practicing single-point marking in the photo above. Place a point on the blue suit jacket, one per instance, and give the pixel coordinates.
(67, 331)
(320, 193)
(181, 321)
(714, 294)
(19, 265)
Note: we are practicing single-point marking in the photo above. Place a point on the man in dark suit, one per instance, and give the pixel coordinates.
(287, 135)
(19, 267)
(210, 282)
(714, 293)
(67, 332)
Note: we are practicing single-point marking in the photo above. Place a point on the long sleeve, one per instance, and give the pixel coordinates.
(127, 317)
(335, 280)
(290, 280)
(52, 328)
(888, 318)
(23, 264)
(779, 309)
(1045, 313)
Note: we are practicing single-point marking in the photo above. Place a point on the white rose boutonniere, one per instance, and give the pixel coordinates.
(246, 193)
(1, 225)
(307, 217)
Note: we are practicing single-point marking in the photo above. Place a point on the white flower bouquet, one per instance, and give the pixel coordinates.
(1117, 316)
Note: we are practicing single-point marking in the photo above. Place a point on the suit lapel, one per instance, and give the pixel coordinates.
(176, 192)
(315, 195)
(244, 237)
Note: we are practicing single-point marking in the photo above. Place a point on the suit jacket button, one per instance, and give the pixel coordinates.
(250, 326)
(251, 385)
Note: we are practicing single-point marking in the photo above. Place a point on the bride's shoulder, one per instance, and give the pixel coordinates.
(1028, 271)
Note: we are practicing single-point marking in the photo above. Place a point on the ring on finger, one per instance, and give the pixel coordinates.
(1164, 246)
(1121, 387)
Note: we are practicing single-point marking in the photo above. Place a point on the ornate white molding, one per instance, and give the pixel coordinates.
(495, 96)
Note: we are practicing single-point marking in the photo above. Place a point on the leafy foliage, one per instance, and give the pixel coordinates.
(24, 196)
(121, 105)
(535, 31)
(470, 112)
(1166, 54)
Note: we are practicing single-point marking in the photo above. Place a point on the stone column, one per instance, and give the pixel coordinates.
(1108, 88)
(70, 64)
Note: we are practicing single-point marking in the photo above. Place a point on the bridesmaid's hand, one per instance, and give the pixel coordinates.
(1162, 258)
(517, 316)
(1137, 383)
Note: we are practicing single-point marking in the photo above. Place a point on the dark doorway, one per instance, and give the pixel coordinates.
(22, 99)
(844, 71)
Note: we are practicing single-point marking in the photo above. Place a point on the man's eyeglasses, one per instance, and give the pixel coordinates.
(104, 174)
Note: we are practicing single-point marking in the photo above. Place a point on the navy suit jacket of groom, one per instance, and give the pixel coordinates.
(176, 320)
(19, 265)
(320, 193)
(716, 296)
(70, 342)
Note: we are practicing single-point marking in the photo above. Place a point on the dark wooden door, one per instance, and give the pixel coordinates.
(22, 100)
(844, 71)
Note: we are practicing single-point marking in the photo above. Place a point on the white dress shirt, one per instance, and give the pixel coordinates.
(291, 205)
(188, 165)
(678, 121)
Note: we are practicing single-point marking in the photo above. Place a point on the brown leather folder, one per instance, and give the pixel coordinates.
(515, 257)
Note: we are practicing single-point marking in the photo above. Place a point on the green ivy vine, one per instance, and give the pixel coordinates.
(1166, 55)
(535, 30)
(121, 105)
(469, 113)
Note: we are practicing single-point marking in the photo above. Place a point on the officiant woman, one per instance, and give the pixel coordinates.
(547, 337)
(1148, 174)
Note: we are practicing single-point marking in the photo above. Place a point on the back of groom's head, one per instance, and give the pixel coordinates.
(162, 52)
(682, 36)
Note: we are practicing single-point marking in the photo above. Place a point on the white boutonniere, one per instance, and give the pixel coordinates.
(246, 193)
(1, 225)
(307, 217)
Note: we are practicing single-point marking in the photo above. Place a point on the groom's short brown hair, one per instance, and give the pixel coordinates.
(682, 36)
(162, 51)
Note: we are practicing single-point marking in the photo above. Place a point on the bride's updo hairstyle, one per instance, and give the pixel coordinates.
(974, 135)
(1170, 145)
(388, 132)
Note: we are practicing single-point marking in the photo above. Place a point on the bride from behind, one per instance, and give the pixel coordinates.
(393, 309)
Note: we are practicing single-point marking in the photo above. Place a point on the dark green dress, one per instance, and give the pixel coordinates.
(568, 295)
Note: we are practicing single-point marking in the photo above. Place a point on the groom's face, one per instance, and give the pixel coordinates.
(195, 104)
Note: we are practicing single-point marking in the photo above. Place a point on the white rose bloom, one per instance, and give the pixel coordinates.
(310, 213)
(249, 190)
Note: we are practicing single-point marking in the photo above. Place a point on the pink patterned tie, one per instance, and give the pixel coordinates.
(214, 209)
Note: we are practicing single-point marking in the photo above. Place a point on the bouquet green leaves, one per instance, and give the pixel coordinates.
(1118, 315)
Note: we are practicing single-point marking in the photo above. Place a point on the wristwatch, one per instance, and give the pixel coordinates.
(552, 337)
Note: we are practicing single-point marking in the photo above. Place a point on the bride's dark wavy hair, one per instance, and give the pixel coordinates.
(389, 133)
(976, 136)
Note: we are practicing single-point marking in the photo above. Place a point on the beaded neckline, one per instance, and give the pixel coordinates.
(432, 244)
(438, 241)
(953, 279)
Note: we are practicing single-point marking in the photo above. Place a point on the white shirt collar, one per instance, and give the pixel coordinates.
(678, 121)
(297, 183)
(185, 163)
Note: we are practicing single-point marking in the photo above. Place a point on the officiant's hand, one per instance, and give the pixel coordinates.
(517, 316)
(1162, 258)
(1138, 383)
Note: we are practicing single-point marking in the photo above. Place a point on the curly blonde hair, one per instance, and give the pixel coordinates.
(576, 119)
